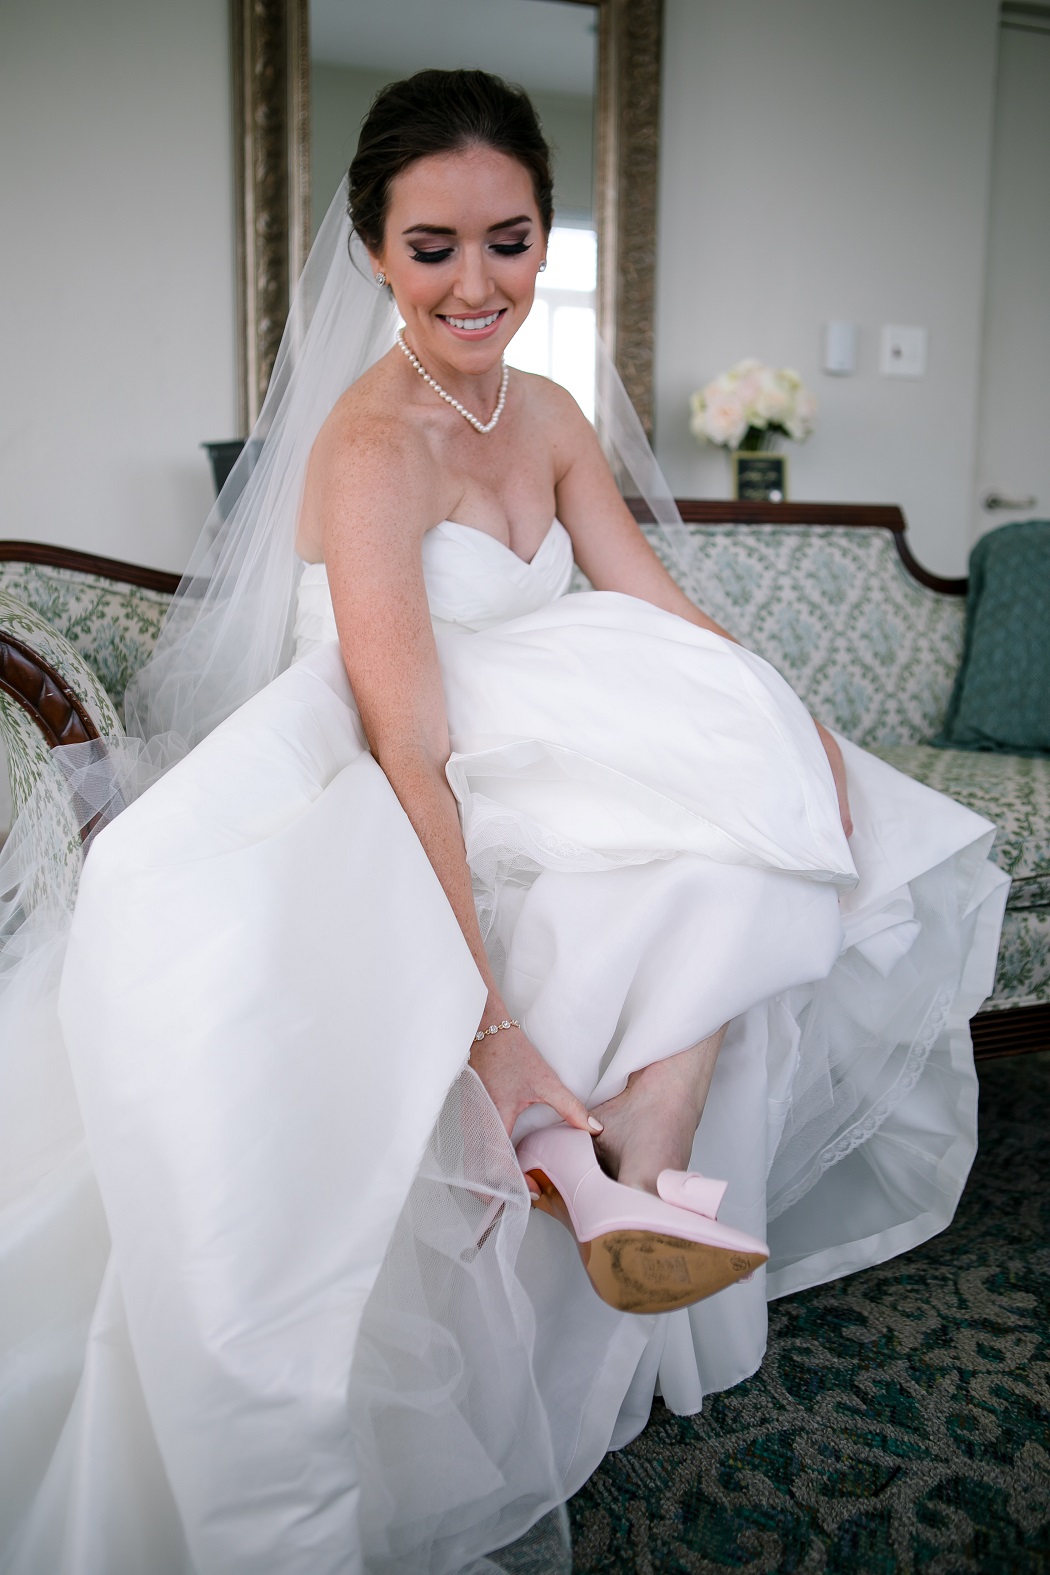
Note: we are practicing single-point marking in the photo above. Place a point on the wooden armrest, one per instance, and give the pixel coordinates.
(42, 691)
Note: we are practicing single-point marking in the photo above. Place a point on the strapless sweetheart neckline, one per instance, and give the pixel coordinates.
(472, 579)
(474, 530)
(477, 531)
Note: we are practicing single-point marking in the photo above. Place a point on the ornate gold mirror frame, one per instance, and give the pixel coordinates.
(271, 80)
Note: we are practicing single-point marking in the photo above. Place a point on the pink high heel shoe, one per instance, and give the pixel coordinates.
(643, 1254)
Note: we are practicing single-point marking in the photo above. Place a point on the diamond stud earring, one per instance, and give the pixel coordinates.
(380, 279)
(543, 265)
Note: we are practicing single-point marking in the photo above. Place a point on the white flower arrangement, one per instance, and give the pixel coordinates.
(748, 406)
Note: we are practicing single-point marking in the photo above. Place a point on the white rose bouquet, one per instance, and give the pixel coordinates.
(747, 407)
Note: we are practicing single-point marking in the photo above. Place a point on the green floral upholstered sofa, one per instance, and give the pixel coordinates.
(828, 593)
(73, 629)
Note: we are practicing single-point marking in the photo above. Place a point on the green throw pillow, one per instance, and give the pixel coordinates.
(1001, 699)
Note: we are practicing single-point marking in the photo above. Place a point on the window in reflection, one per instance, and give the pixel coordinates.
(557, 338)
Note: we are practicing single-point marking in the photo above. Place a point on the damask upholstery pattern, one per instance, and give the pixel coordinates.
(1022, 969)
(1014, 792)
(870, 650)
(36, 630)
(1011, 790)
(32, 770)
(30, 766)
(114, 626)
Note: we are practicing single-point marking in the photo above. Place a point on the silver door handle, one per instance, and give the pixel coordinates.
(996, 500)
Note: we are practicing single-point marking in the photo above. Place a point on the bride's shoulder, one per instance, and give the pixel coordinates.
(545, 400)
(364, 452)
(364, 428)
(555, 419)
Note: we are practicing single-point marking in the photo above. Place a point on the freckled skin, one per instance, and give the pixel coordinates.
(391, 461)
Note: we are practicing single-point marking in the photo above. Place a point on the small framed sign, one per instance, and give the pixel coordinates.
(760, 478)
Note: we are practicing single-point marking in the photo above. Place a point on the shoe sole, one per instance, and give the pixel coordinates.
(640, 1271)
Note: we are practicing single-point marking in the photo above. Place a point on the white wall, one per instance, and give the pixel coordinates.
(830, 159)
(117, 272)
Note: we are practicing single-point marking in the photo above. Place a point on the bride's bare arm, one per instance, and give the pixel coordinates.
(369, 494)
(614, 554)
(607, 542)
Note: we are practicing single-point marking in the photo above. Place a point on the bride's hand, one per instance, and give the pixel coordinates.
(516, 1076)
(838, 771)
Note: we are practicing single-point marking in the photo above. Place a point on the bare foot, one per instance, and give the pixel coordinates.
(651, 1125)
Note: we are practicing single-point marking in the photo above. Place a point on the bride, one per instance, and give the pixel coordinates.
(484, 862)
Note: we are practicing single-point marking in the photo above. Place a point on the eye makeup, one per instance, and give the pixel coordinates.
(438, 254)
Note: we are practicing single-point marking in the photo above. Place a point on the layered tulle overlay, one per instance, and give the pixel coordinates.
(304, 1348)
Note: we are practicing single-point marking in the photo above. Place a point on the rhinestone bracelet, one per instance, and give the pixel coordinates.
(494, 1028)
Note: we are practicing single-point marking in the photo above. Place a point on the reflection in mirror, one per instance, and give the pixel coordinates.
(550, 47)
(557, 338)
(272, 86)
(271, 90)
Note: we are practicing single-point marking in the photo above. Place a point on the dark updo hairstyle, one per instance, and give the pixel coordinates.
(442, 112)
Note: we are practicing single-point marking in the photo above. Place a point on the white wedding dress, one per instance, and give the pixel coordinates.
(255, 1329)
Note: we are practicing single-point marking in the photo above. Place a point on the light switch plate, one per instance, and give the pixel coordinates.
(840, 349)
(902, 351)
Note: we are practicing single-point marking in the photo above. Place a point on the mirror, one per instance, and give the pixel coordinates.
(551, 49)
(272, 104)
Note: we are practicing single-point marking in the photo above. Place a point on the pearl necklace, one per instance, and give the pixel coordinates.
(479, 426)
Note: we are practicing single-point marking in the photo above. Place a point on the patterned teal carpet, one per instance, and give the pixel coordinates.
(901, 1420)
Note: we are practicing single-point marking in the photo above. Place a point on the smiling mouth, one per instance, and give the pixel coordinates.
(473, 324)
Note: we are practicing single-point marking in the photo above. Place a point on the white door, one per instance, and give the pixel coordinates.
(1013, 453)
